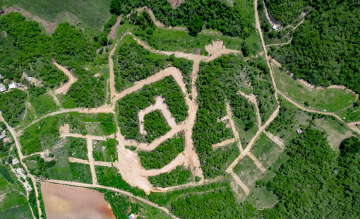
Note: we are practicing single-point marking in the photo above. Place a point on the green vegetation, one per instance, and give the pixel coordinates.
(136, 63)
(218, 81)
(163, 154)
(110, 176)
(122, 207)
(76, 147)
(314, 182)
(59, 169)
(33, 55)
(14, 203)
(331, 100)
(266, 151)
(176, 177)
(12, 104)
(129, 106)
(319, 52)
(45, 133)
(43, 103)
(217, 15)
(91, 14)
(103, 39)
(105, 150)
(155, 125)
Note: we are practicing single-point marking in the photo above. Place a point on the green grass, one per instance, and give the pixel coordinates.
(91, 13)
(105, 150)
(247, 171)
(266, 151)
(43, 104)
(351, 114)
(331, 100)
(45, 133)
(261, 198)
(76, 147)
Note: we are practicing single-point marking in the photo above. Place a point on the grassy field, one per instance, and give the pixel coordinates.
(45, 133)
(266, 151)
(329, 100)
(177, 40)
(105, 150)
(13, 204)
(91, 13)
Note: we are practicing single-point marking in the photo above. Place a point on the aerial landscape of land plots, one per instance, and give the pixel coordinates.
(179, 109)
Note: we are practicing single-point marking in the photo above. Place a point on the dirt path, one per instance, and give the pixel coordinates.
(21, 156)
(256, 162)
(31, 108)
(159, 105)
(239, 182)
(114, 190)
(49, 27)
(158, 23)
(252, 99)
(275, 139)
(290, 40)
(56, 100)
(233, 127)
(115, 28)
(223, 143)
(65, 87)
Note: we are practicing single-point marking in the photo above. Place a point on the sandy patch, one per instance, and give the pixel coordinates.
(67, 202)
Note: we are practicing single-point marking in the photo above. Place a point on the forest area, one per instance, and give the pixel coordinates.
(34, 55)
(193, 14)
(325, 49)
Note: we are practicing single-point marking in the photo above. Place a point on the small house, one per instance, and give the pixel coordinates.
(12, 86)
(131, 216)
(2, 88)
(46, 154)
(3, 134)
(275, 27)
(15, 161)
(299, 131)
(29, 79)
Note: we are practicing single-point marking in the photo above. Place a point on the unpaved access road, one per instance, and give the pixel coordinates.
(65, 87)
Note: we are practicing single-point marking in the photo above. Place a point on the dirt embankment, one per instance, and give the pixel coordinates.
(49, 27)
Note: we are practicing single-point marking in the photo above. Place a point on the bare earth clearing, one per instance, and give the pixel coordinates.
(67, 202)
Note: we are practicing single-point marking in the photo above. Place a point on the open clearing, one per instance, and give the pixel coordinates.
(92, 13)
(67, 202)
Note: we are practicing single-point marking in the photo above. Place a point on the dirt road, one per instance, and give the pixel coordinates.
(65, 87)
(18, 147)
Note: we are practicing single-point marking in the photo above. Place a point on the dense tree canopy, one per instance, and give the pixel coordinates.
(325, 49)
(191, 13)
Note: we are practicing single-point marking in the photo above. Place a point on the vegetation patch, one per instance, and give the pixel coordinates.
(105, 150)
(110, 176)
(163, 154)
(176, 177)
(129, 106)
(136, 63)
